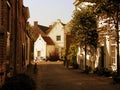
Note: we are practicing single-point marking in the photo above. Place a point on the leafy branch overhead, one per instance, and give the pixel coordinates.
(84, 27)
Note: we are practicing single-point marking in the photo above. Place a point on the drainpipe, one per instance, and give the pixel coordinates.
(118, 48)
(85, 50)
(15, 38)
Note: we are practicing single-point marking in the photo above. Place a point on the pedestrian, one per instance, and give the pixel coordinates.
(35, 67)
(67, 62)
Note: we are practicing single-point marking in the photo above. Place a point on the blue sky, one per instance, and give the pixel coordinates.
(48, 11)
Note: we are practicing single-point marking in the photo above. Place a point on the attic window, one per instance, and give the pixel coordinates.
(58, 38)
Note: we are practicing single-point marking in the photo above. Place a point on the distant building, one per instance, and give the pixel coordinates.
(48, 40)
(43, 47)
(43, 44)
(57, 33)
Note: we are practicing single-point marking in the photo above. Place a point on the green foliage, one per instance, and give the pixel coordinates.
(72, 51)
(84, 27)
(116, 77)
(72, 56)
(73, 62)
(87, 70)
(103, 71)
(107, 7)
(53, 56)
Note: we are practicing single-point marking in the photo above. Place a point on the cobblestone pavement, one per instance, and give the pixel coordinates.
(54, 76)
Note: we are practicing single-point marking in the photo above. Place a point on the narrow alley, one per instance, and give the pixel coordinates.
(54, 76)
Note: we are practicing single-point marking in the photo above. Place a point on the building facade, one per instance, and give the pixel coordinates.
(43, 47)
(13, 18)
(57, 34)
(107, 51)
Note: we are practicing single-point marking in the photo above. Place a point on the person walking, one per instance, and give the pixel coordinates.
(35, 67)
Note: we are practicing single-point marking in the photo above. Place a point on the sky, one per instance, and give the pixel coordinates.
(46, 12)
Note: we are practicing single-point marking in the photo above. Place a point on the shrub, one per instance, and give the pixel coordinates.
(107, 72)
(53, 56)
(103, 71)
(95, 71)
(75, 66)
(88, 69)
(73, 62)
(116, 77)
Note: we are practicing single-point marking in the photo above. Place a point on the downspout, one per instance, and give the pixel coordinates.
(15, 39)
(118, 48)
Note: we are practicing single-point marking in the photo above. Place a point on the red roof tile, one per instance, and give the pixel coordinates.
(36, 31)
(48, 40)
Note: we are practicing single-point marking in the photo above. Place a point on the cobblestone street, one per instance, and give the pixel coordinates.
(54, 76)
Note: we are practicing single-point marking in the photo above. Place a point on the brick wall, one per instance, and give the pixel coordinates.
(4, 27)
(12, 21)
(18, 40)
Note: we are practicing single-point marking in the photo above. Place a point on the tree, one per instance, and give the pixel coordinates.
(84, 29)
(111, 8)
(72, 55)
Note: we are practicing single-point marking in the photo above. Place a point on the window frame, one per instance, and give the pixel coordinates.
(58, 38)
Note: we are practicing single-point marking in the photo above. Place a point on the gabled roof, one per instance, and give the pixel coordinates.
(43, 28)
(48, 40)
(35, 31)
(52, 26)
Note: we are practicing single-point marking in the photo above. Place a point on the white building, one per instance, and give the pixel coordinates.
(57, 34)
(43, 46)
(107, 55)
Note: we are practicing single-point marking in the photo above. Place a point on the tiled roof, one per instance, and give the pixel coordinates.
(50, 28)
(48, 40)
(43, 28)
(36, 31)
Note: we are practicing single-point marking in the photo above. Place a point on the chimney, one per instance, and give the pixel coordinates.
(58, 20)
(35, 23)
(27, 23)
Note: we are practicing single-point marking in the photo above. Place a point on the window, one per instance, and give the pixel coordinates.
(58, 38)
(38, 53)
(2, 45)
(1, 36)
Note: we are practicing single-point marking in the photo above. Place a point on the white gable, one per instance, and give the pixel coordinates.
(57, 34)
(40, 47)
(57, 30)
